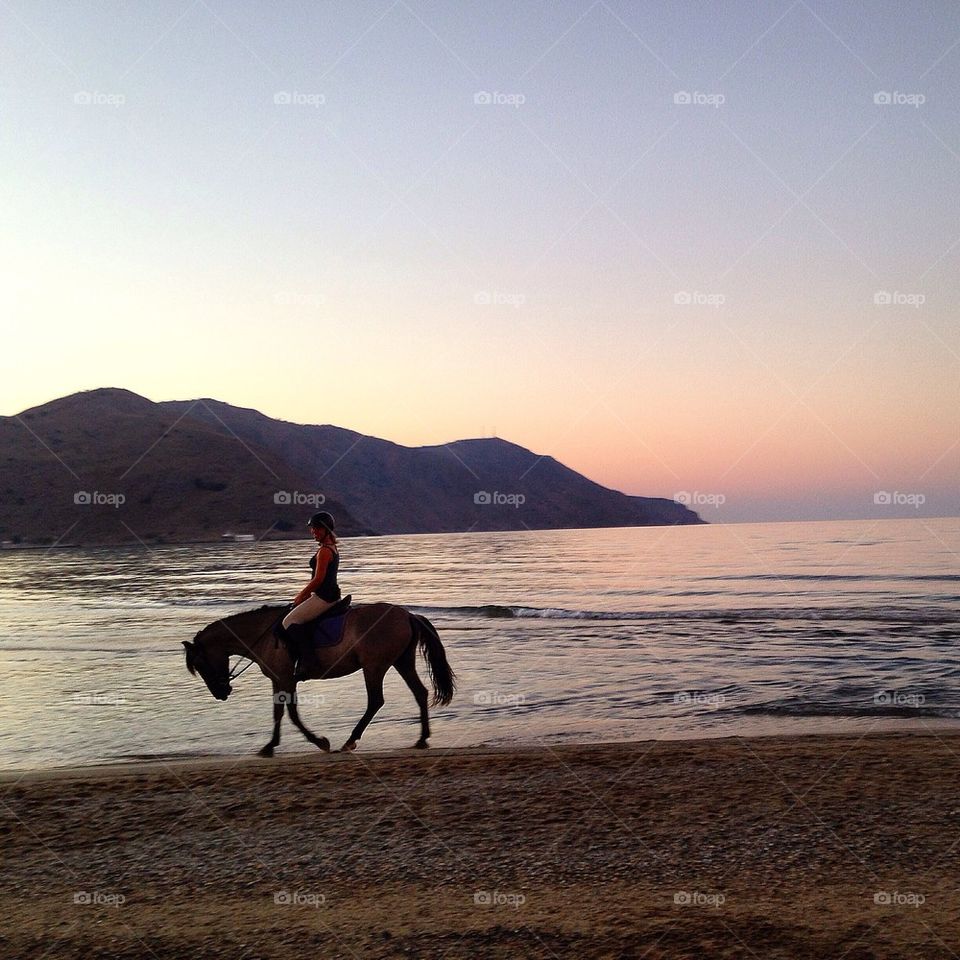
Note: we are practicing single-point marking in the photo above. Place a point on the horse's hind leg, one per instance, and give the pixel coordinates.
(374, 680)
(322, 742)
(406, 666)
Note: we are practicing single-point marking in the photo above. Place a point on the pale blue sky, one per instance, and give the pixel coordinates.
(514, 265)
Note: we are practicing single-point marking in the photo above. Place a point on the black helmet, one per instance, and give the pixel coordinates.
(322, 519)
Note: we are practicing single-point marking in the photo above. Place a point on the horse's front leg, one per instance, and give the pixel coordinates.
(322, 742)
(280, 699)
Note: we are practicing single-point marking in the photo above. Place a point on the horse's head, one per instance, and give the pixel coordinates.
(207, 655)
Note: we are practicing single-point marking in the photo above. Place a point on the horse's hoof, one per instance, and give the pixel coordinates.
(421, 745)
(349, 746)
(266, 751)
(323, 743)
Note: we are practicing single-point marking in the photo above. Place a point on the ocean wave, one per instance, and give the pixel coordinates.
(799, 708)
(831, 577)
(873, 614)
(138, 601)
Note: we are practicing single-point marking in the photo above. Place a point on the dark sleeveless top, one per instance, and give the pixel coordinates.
(328, 590)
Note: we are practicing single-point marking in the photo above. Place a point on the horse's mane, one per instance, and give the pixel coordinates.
(246, 613)
(198, 640)
(275, 607)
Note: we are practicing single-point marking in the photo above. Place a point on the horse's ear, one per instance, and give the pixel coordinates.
(189, 648)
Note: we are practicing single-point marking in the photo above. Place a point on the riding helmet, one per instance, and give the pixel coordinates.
(322, 519)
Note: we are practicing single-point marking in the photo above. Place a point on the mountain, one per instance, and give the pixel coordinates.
(398, 489)
(109, 466)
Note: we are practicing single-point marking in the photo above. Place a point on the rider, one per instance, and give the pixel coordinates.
(322, 592)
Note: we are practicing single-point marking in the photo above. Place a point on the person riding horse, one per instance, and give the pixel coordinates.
(321, 593)
(374, 638)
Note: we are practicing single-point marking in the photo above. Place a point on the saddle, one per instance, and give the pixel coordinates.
(327, 629)
(323, 631)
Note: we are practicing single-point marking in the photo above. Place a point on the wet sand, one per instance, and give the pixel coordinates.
(813, 847)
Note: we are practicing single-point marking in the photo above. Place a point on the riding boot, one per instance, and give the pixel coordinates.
(290, 638)
(297, 634)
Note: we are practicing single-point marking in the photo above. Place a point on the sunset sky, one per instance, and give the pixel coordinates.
(429, 221)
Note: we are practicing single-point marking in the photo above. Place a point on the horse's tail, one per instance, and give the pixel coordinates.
(444, 680)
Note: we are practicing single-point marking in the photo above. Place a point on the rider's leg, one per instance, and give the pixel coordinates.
(311, 608)
(293, 622)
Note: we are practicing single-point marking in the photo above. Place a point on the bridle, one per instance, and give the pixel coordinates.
(234, 672)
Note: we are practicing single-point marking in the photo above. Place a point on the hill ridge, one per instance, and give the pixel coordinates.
(188, 470)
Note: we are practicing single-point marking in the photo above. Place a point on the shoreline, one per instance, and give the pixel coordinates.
(248, 762)
(369, 535)
(813, 846)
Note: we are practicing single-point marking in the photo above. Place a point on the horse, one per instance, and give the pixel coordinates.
(376, 637)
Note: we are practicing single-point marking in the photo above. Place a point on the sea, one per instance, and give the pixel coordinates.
(641, 633)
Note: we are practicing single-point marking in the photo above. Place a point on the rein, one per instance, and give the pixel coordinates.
(234, 672)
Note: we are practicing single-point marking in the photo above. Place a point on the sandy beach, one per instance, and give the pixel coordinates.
(781, 847)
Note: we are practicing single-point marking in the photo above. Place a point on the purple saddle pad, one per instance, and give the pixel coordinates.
(327, 631)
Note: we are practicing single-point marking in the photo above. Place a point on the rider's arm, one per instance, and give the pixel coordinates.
(323, 560)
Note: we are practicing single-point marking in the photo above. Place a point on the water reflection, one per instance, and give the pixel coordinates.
(646, 632)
